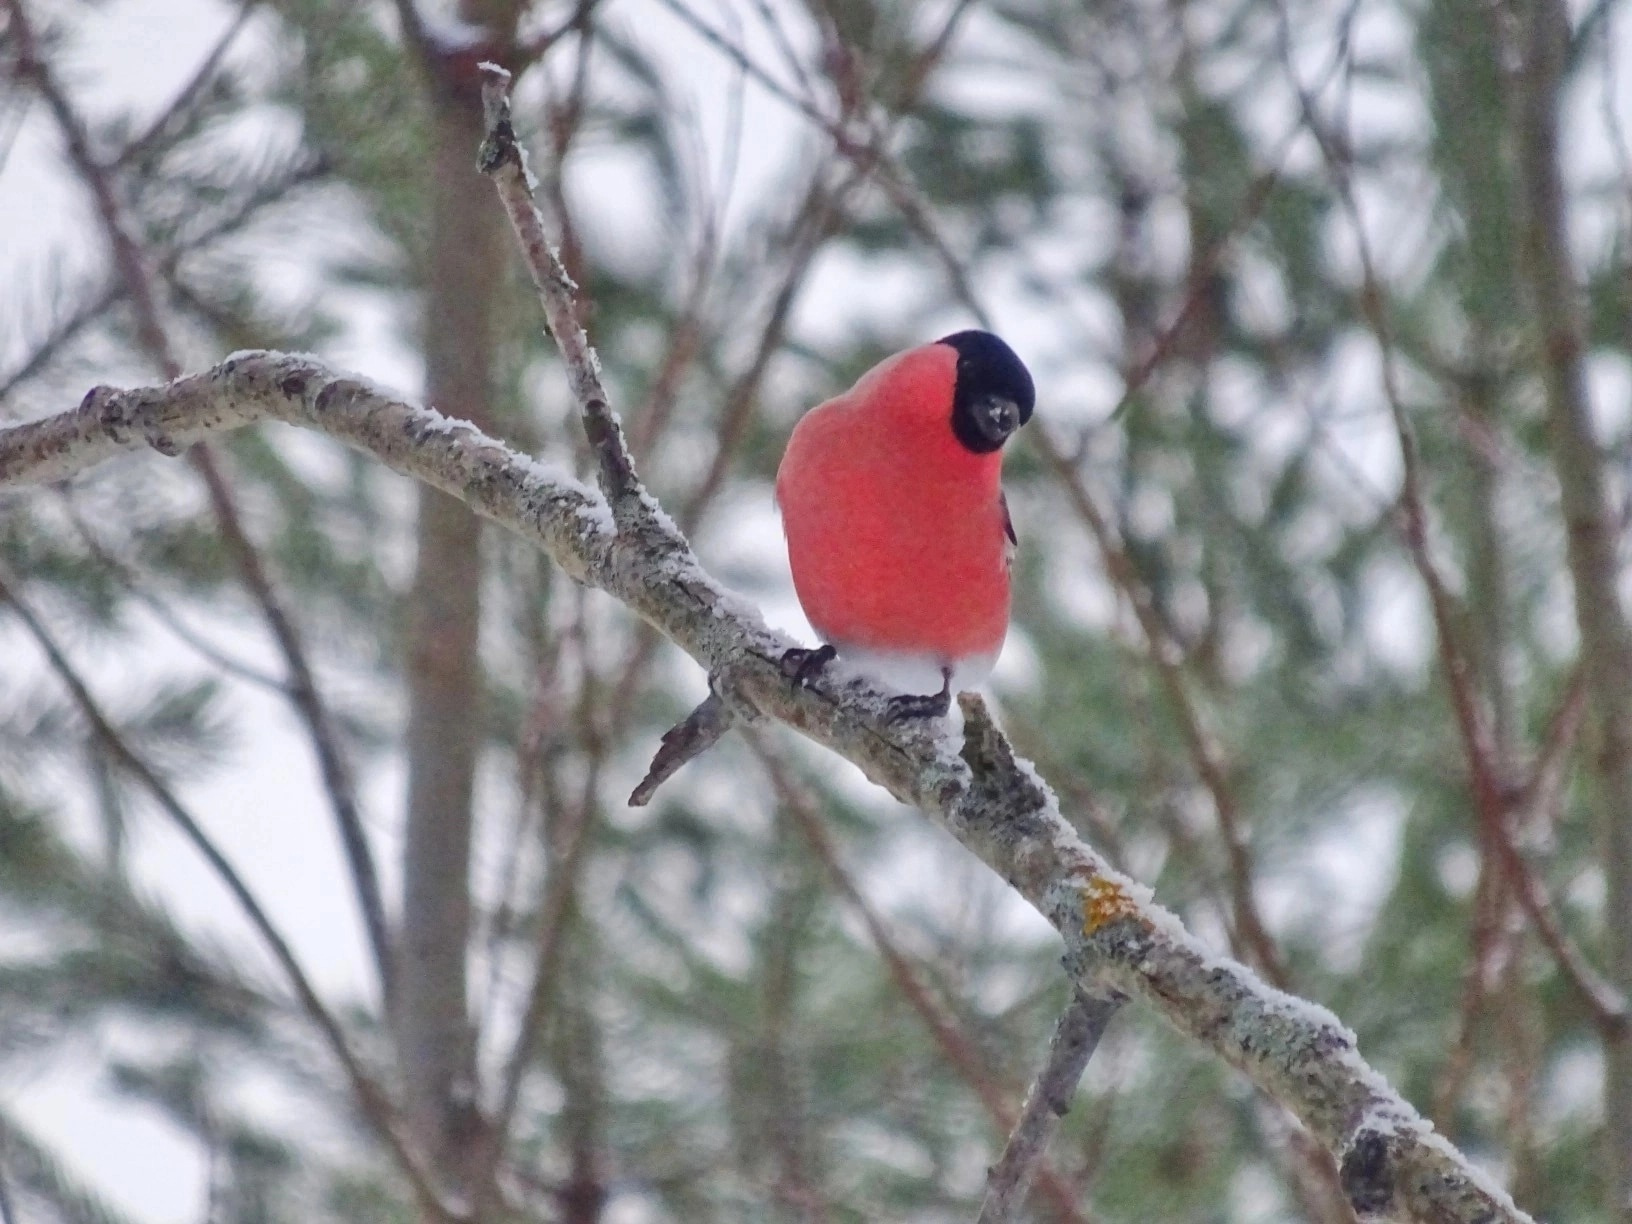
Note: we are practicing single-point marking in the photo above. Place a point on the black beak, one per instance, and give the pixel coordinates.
(996, 418)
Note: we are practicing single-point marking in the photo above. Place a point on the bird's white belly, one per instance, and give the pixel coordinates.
(915, 672)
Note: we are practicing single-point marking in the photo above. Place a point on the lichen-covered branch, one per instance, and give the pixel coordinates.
(1394, 1166)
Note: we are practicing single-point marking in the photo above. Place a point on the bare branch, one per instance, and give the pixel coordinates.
(1540, 34)
(314, 712)
(128, 257)
(413, 31)
(183, 103)
(503, 160)
(131, 582)
(99, 297)
(1494, 796)
(1076, 1036)
(560, 893)
(959, 1049)
(1205, 754)
(690, 738)
(531, 51)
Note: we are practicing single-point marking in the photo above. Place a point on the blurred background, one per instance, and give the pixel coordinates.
(1318, 625)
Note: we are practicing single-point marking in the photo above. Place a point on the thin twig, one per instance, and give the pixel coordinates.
(1493, 793)
(531, 51)
(127, 253)
(957, 1047)
(818, 221)
(137, 149)
(1204, 751)
(1492, 939)
(1077, 1035)
(413, 31)
(304, 695)
(560, 897)
(1538, 50)
(502, 159)
(728, 48)
(101, 298)
(690, 738)
(126, 576)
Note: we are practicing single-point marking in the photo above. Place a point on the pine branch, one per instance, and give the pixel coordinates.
(371, 1100)
(30, 1170)
(132, 263)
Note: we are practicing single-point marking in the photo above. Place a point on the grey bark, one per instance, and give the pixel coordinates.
(1076, 1036)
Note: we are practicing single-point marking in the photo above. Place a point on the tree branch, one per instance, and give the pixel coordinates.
(305, 696)
(961, 1051)
(1076, 1036)
(1206, 756)
(1496, 801)
(995, 805)
(502, 159)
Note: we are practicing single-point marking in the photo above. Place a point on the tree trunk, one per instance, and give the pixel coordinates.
(465, 266)
(1592, 531)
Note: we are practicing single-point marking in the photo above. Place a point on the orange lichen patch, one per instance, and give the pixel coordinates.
(1103, 901)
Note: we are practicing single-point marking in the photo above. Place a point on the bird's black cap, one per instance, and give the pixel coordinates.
(990, 378)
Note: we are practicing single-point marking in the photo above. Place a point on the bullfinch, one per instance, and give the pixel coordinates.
(898, 533)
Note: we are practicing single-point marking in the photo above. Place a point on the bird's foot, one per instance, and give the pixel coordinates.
(802, 666)
(908, 706)
(913, 705)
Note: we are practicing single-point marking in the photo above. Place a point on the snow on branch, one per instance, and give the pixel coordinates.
(1393, 1164)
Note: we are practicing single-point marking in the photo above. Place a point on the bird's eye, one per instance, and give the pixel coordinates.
(997, 417)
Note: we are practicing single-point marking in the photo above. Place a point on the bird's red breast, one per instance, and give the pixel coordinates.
(897, 532)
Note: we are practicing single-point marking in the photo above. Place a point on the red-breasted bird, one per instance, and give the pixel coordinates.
(898, 533)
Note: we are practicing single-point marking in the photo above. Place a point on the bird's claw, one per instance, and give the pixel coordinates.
(913, 705)
(907, 706)
(802, 666)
